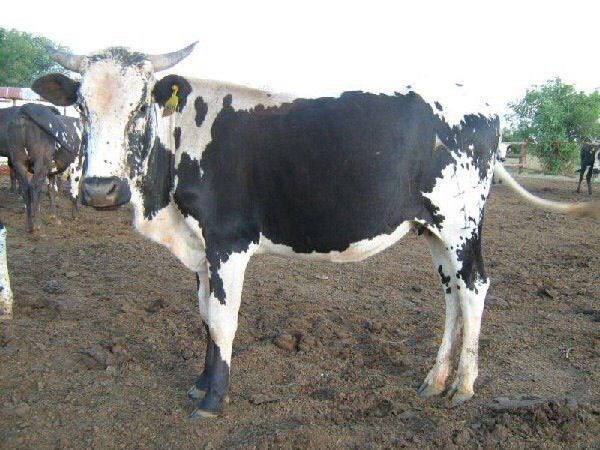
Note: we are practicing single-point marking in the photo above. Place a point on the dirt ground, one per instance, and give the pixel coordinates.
(106, 339)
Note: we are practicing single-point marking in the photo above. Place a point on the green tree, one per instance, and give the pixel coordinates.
(23, 58)
(556, 119)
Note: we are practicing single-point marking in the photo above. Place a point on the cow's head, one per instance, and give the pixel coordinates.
(113, 97)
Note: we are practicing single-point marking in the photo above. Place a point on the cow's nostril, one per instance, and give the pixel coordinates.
(104, 193)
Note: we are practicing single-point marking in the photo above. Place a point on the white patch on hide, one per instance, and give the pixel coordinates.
(357, 251)
(458, 195)
(456, 101)
(169, 228)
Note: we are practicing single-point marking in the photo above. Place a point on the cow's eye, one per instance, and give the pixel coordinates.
(79, 104)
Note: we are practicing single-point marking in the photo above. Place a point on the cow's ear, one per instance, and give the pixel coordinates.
(57, 89)
(163, 90)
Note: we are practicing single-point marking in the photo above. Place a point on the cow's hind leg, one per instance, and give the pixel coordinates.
(221, 315)
(472, 285)
(435, 382)
(588, 179)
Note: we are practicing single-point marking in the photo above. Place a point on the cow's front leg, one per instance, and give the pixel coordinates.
(222, 306)
(202, 289)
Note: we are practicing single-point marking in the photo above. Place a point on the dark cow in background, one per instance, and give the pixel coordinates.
(227, 172)
(587, 161)
(6, 119)
(42, 144)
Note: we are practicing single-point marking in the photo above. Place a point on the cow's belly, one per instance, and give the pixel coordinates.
(356, 251)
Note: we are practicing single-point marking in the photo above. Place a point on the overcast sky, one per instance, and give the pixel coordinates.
(308, 47)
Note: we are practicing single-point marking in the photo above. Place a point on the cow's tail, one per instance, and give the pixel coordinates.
(582, 209)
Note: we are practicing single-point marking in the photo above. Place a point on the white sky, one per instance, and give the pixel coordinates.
(309, 47)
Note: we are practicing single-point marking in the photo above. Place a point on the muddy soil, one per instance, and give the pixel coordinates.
(106, 339)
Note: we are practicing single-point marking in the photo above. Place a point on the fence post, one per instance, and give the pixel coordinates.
(523, 156)
(6, 296)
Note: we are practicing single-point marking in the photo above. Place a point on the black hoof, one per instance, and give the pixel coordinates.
(202, 414)
(206, 409)
(202, 382)
(195, 393)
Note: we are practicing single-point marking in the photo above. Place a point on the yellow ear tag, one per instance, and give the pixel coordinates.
(171, 104)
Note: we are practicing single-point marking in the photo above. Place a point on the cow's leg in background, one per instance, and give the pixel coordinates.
(74, 207)
(588, 179)
(13, 177)
(435, 382)
(36, 184)
(472, 284)
(35, 187)
(24, 178)
(581, 173)
(221, 315)
(52, 190)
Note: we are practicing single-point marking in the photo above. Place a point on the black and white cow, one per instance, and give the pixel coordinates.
(235, 172)
(589, 159)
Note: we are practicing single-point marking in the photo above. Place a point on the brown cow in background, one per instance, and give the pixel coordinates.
(41, 143)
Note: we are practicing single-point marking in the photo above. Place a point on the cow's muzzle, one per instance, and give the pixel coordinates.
(104, 193)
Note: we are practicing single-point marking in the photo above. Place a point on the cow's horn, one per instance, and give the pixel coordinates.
(67, 60)
(164, 61)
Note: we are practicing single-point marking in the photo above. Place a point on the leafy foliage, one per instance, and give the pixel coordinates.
(555, 119)
(23, 58)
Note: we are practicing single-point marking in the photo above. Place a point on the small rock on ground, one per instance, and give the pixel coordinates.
(285, 341)
(496, 301)
(51, 287)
